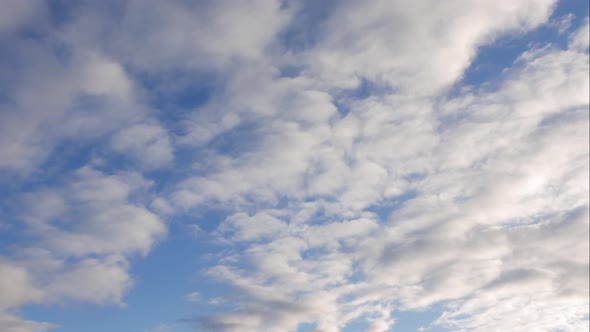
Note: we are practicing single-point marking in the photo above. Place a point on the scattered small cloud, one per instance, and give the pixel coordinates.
(193, 297)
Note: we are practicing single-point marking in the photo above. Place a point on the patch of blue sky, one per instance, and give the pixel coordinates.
(61, 11)
(237, 141)
(307, 327)
(368, 88)
(386, 208)
(289, 71)
(176, 93)
(305, 32)
(365, 89)
(415, 320)
(360, 324)
(207, 218)
(419, 320)
(11, 232)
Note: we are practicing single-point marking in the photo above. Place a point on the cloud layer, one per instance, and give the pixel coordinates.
(361, 174)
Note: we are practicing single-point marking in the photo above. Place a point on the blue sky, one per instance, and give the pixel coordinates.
(178, 166)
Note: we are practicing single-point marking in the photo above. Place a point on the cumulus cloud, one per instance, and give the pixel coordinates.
(82, 99)
(420, 47)
(18, 13)
(99, 218)
(84, 232)
(479, 176)
(147, 143)
(155, 36)
(581, 38)
(17, 287)
(14, 324)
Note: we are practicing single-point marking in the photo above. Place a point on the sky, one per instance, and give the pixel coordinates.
(294, 165)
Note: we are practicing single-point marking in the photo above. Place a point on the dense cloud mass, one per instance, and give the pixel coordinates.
(362, 169)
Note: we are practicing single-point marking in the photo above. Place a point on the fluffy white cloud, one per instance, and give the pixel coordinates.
(488, 175)
(84, 232)
(16, 286)
(62, 91)
(84, 99)
(18, 12)
(155, 36)
(93, 215)
(147, 143)
(14, 324)
(416, 48)
(581, 38)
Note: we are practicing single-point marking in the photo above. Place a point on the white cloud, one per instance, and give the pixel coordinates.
(18, 13)
(158, 36)
(147, 143)
(15, 324)
(193, 297)
(82, 100)
(102, 280)
(563, 23)
(417, 48)
(16, 286)
(485, 189)
(248, 228)
(84, 232)
(493, 172)
(581, 38)
(99, 213)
